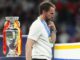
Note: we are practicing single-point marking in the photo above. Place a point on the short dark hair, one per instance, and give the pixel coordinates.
(45, 6)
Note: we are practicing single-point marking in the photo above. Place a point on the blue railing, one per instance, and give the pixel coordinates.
(22, 57)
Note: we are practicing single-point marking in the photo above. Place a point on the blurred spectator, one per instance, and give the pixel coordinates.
(63, 36)
(77, 26)
(27, 10)
(24, 28)
(26, 6)
(1, 24)
(78, 22)
(59, 5)
(71, 6)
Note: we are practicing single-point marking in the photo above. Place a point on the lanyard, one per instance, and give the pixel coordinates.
(46, 28)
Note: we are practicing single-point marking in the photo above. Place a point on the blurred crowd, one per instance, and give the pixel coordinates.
(67, 16)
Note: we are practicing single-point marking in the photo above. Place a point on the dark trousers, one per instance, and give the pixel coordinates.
(39, 59)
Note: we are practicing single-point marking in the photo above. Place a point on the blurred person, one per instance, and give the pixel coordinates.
(1, 24)
(42, 34)
(77, 20)
(77, 37)
(23, 28)
(63, 36)
(77, 27)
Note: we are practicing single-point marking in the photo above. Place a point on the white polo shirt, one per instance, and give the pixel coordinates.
(41, 49)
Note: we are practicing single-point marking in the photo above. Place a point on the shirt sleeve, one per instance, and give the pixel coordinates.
(34, 31)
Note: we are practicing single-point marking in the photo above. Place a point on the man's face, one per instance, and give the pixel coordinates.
(50, 14)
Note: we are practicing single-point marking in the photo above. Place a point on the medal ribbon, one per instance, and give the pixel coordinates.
(46, 28)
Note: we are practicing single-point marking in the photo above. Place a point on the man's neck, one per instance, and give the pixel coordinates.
(42, 17)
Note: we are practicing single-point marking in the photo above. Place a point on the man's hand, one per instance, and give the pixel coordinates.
(52, 25)
(53, 33)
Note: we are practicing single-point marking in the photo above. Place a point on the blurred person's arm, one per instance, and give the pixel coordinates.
(28, 47)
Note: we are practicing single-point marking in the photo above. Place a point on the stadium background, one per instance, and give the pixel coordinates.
(67, 18)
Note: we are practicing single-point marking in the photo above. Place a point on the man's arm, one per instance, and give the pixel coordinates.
(28, 48)
(53, 36)
(53, 33)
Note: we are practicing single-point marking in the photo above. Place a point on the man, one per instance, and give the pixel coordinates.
(38, 46)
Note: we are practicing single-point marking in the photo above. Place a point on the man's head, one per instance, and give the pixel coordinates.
(47, 9)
